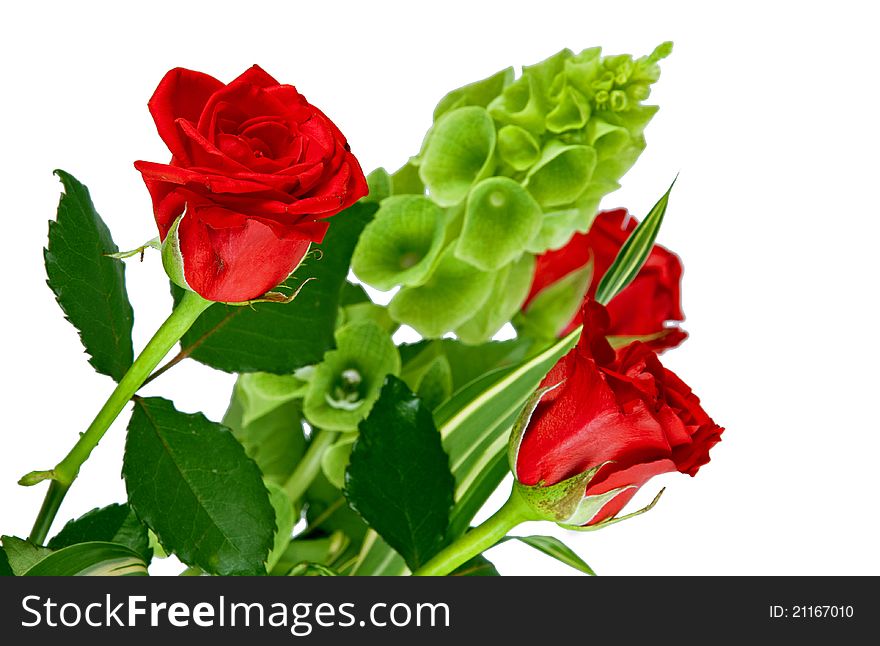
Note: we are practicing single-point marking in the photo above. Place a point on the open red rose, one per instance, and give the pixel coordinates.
(649, 307)
(256, 170)
(623, 410)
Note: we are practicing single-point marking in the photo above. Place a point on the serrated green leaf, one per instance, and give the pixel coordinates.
(449, 297)
(285, 519)
(280, 337)
(96, 558)
(334, 462)
(400, 246)
(191, 482)
(112, 524)
(265, 415)
(347, 382)
(398, 478)
(634, 252)
(458, 153)
(557, 549)
(21, 554)
(89, 286)
(500, 219)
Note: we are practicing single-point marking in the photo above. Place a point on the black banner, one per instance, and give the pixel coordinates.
(328, 610)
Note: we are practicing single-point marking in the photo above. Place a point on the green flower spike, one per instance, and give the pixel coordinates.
(517, 147)
(345, 384)
(401, 244)
(459, 152)
(501, 218)
(451, 295)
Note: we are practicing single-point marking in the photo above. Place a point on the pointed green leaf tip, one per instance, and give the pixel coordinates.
(398, 477)
(634, 252)
(88, 285)
(190, 481)
(556, 549)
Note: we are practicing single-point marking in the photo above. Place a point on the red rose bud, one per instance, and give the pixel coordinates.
(601, 425)
(644, 309)
(255, 172)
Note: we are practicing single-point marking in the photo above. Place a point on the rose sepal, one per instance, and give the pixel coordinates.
(613, 519)
(172, 258)
(564, 502)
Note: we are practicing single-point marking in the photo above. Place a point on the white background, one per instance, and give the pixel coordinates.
(769, 111)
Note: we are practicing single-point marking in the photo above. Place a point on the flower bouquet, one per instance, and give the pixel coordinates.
(375, 409)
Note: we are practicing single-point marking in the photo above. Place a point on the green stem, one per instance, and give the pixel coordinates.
(63, 475)
(479, 539)
(308, 467)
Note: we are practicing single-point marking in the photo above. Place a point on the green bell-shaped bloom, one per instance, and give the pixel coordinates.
(459, 151)
(451, 295)
(557, 227)
(572, 111)
(605, 138)
(517, 147)
(561, 174)
(508, 294)
(500, 219)
(379, 185)
(429, 375)
(401, 244)
(345, 384)
(406, 181)
(478, 93)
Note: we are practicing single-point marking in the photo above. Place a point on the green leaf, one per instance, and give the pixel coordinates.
(500, 220)
(633, 253)
(22, 555)
(280, 337)
(429, 375)
(398, 478)
(5, 569)
(334, 462)
(561, 174)
(285, 519)
(112, 524)
(265, 415)
(344, 386)
(508, 294)
(458, 153)
(96, 558)
(191, 482)
(401, 244)
(477, 566)
(450, 296)
(557, 549)
(89, 286)
(555, 306)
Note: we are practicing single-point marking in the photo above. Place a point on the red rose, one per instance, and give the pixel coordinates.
(257, 171)
(623, 410)
(645, 306)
